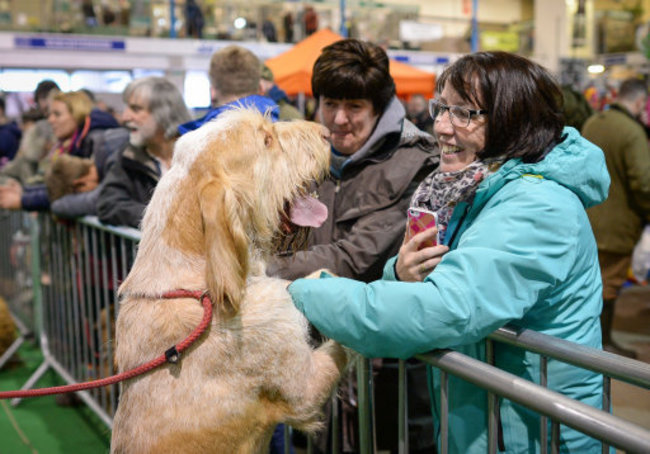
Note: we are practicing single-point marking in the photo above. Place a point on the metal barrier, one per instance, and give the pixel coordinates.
(76, 268)
(16, 275)
(80, 265)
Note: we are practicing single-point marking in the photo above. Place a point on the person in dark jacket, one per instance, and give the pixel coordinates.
(10, 135)
(194, 19)
(618, 222)
(417, 112)
(154, 109)
(78, 128)
(378, 158)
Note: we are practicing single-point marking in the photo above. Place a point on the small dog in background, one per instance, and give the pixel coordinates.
(68, 175)
(7, 327)
(236, 190)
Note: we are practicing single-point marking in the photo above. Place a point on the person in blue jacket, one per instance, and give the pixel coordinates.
(510, 194)
(234, 82)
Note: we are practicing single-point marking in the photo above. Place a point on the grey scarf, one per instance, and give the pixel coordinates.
(440, 192)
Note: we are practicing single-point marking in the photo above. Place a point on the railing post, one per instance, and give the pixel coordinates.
(444, 412)
(366, 423)
(37, 290)
(402, 410)
(493, 407)
(607, 393)
(543, 429)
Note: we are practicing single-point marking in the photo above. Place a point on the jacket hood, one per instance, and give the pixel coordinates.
(102, 120)
(261, 103)
(590, 182)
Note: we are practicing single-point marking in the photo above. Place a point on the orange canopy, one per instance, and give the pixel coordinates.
(292, 69)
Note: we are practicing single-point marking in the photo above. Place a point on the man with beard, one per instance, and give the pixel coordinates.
(154, 110)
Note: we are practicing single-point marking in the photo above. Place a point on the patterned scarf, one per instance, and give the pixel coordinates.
(440, 192)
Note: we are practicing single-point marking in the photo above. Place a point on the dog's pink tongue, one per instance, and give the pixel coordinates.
(306, 211)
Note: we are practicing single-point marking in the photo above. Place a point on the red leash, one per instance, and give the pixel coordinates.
(171, 356)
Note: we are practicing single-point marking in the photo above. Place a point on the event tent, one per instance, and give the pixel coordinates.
(292, 69)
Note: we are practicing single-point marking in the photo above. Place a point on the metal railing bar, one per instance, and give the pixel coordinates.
(615, 366)
(402, 409)
(336, 433)
(364, 398)
(555, 438)
(77, 308)
(582, 417)
(85, 301)
(493, 408)
(69, 323)
(121, 231)
(543, 381)
(444, 412)
(607, 402)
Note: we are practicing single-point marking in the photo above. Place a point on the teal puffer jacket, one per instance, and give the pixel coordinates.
(523, 253)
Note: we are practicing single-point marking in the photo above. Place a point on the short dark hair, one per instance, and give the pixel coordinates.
(632, 89)
(354, 69)
(44, 88)
(3, 105)
(523, 100)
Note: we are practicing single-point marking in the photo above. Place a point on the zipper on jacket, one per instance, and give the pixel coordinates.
(338, 186)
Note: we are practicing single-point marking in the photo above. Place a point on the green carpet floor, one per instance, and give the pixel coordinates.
(39, 425)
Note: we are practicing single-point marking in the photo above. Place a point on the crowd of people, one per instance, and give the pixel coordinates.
(525, 224)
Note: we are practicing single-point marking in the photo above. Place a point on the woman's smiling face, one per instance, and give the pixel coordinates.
(458, 146)
(350, 121)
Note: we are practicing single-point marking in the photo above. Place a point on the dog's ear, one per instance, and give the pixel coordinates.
(226, 245)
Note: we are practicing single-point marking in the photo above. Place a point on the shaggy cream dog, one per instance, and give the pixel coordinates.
(235, 189)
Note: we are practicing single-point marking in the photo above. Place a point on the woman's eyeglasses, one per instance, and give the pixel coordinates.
(459, 116)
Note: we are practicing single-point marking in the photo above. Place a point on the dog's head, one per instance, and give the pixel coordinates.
(63, 173)
(241, 185)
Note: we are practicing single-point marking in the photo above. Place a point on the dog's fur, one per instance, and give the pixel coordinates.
(62, 173)
(7, 327)
(213, 219)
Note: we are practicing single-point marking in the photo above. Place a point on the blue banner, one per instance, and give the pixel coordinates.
(65, 43)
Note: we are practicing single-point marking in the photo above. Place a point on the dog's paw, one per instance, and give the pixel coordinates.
(321, 273)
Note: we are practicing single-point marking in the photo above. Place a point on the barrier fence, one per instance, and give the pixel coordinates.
(16, 276)
(60, 282)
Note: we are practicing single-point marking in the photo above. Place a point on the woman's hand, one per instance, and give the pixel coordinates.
(10, 195)
(414, 265)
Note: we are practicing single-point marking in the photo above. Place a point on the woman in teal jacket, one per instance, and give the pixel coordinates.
(510, 195)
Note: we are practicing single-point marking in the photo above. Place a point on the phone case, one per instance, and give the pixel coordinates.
(420, 220)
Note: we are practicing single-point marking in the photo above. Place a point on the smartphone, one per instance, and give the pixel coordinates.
(420, 220)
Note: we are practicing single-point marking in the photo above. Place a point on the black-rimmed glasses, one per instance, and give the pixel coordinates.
(459, 116)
